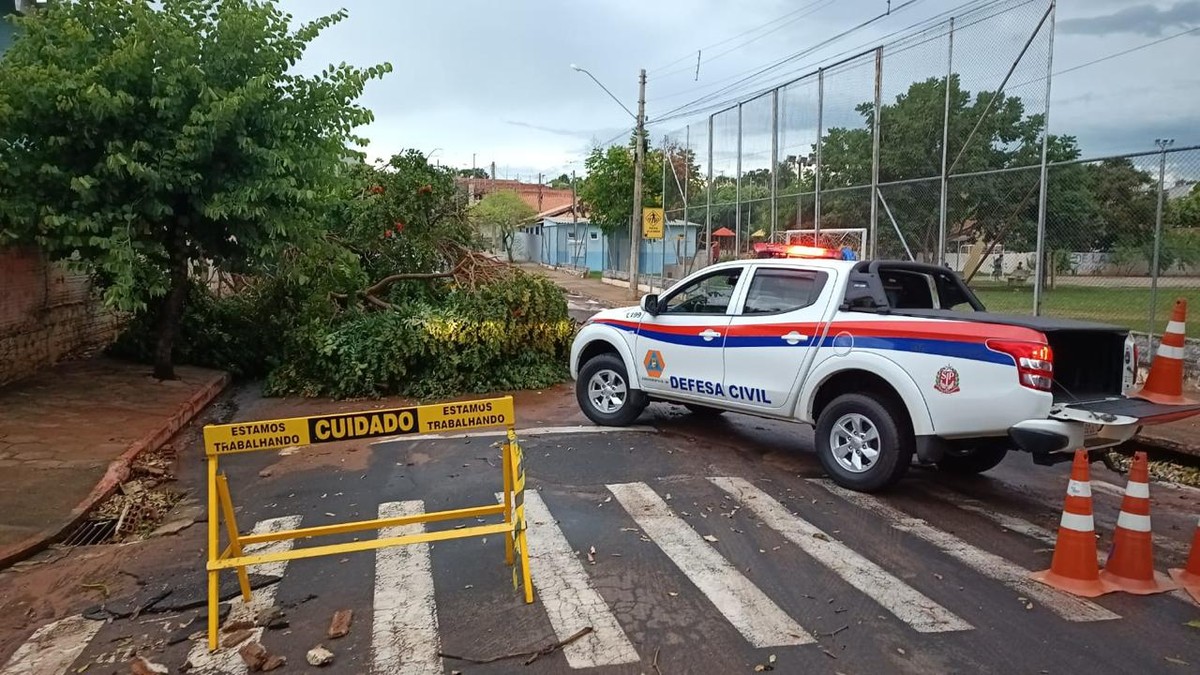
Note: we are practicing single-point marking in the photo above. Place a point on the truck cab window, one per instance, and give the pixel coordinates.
(780, 290)
(709, 294)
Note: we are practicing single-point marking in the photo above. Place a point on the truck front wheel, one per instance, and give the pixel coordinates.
(604, 394)
(862, 443)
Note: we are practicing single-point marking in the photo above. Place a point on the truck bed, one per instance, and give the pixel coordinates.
(1088, 357)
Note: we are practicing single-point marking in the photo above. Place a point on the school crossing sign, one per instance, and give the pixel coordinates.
(652, 223)
(274, 434)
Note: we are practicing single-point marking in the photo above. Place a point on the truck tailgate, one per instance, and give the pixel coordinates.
(1145, 412)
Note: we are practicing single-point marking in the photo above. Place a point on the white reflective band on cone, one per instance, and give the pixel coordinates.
(1133, 522)
(1077, 488)
(1170, 352)
(1176, 327)
(1074, 521)
(1138, 490)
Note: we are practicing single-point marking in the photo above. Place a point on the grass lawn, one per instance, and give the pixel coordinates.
(1121, 306)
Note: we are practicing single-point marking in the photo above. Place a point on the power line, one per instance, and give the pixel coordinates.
(734, 37)
(697, 107)
(792, 57)
(915, 28)
(778, 27)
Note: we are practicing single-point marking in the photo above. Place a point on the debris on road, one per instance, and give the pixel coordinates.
(340, 625)
(592, 555)
(235, 626)
(143, 666)
(236, 638)
(274, 661)
(272, 618)
(254, 655)
(709, 538)
(533, 655)
(319, 656)
(265, 473)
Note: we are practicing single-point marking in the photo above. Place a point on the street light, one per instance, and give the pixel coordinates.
(635, 232)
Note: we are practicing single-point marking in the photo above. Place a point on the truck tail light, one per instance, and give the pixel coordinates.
(1034, 361)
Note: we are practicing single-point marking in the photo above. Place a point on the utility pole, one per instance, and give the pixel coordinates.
(639, 161)
(539, 193)
(1163, 144)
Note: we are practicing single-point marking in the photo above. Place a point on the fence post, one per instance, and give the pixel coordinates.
(820, 132)
(774, 159)
(1163, 144)
(1038, 280)
(941, 252)
(662, 271)
(874, 232)
(709, 191)
(737, 192)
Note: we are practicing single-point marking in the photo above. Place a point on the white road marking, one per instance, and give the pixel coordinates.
(1031, 530)
(988, 564)
(521, 433)
(910, 606)
(755, 615)
(53, 648)
(404, 634)
(566, 592)
(228, 660)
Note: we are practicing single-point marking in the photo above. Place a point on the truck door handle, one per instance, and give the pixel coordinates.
(793, 337)
(708, 334)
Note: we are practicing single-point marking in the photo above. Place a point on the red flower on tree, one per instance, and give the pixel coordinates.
(387, 233)
(399, 226)
(425, 189)
(376, 189)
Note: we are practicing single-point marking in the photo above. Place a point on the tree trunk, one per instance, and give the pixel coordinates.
(171, 309)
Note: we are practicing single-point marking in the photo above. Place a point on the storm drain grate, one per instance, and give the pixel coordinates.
(93, 533)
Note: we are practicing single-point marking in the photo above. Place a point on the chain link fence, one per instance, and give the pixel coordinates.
(934, 146)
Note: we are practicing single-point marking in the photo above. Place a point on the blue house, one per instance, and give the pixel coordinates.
(563, 239)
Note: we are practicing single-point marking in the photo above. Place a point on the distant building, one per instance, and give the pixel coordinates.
(1180, 189)
(539, 197)
(7, 29)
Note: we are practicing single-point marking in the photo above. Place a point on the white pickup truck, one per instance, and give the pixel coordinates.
(885, 359)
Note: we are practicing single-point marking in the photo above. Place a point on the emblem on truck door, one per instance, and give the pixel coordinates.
(655, 365)
(947, 380)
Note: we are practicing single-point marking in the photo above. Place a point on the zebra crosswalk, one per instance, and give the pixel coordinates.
(406, 632)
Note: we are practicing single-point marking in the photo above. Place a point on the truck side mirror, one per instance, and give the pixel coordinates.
(650, 304)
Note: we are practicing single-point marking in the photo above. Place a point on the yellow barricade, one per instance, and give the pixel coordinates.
(225, 439)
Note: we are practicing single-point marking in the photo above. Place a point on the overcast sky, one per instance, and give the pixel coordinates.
(492, 79)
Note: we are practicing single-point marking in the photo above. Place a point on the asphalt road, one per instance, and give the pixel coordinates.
(717, 545)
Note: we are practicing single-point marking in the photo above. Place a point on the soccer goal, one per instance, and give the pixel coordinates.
(827, 237)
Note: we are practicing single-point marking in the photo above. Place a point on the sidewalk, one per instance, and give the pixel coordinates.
(1182, 437)
(69, 434)
(608, 295)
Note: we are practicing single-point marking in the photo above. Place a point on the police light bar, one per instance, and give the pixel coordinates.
(764, 250)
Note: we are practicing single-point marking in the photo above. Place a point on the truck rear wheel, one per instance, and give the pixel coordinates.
(604, 394)
(862, 444)
(976, 460)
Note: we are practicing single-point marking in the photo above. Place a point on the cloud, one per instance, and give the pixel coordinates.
(573, 133)
(1145, 19)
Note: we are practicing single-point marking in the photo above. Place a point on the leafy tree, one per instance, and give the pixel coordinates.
(608, 187)
(502, 212)
(473, 173)
(990, 206)
(144, 138)
(562, 182)
(1184, 211)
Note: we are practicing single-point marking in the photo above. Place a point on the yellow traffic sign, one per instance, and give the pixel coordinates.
(652, 223)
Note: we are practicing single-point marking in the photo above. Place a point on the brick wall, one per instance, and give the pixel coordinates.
(48, 313)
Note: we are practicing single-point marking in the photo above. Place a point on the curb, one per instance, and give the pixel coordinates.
(118, 471)
(1165, 445)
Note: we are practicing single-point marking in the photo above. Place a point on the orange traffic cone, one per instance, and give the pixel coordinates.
(1130, 566)
(1074, 568)
(1164, 384)
(1189, 577)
